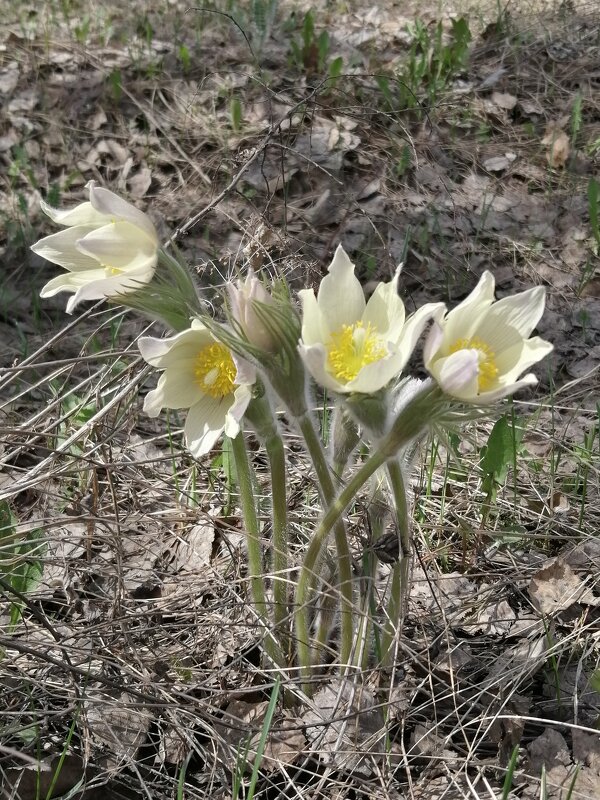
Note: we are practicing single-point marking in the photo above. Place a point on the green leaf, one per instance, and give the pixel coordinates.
(501, 449)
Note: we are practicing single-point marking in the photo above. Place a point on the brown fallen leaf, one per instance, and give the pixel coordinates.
(557, 142)
(555, 587)
(504, 100)
(241, 732)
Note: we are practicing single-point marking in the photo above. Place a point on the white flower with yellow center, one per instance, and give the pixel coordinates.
(479, 350)
(108, 248)
(202, 374)
(349, 345)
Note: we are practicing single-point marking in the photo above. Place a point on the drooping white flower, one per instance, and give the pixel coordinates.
(242, 298)
(202, 374)
(349, 345)
(108, 248)
(479, 350)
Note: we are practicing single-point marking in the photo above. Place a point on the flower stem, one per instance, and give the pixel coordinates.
(260, 415)
(276, 455)
(309, 569)
(401, 571)
(244, 478)
(408, 425)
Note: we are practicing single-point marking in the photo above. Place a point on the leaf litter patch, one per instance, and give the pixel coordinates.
(142, 600)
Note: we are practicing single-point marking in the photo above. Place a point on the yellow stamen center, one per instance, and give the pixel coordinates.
(352, 348)
(488, 371)
(215, 371)
(112, 271)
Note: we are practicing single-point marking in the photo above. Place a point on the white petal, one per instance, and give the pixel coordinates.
(241, 398)
(341, 298)
(458, 374)
(415, 325)
(385, 310)
(530, 352)
(498, 336)
(521, 311)
(486, 398)
(175, 351)
(119, 245)
(61, 248)
(114, 207)
(373, 377)
(70, 282)
(313, 328)
(433, 342)
(462, 320)
(83, 214)
(205, 423)
(108, 287)
(245, 371)
(179, 390)
(153, 402)
(315, 359)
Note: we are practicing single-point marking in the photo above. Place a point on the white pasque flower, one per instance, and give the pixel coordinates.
(202, 374)
(349, 345)
(108, 248)
(242, 296)
(477, 352)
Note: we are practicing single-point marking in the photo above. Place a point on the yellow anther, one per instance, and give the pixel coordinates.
(215, 371)
(352, 348)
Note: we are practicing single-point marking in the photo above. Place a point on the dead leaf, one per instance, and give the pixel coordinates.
(548, 750)
(523, 659)
(531, 107)
(555, 587)
(9, 77)
(585, 555)
(558, 146)
(504, 101)
(193, 552)
(117, 723)
(139, 183)
(344, 725)
(426, 742)
(241, 737)
(24, 102)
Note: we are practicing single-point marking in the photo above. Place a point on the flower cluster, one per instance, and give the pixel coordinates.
(476, 353)
(262, 352)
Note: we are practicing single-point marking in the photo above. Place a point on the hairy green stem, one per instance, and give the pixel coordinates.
(344, 561)
(260, 415)
(255, 567)
(408, 425)
(276, 456)
(401, 571)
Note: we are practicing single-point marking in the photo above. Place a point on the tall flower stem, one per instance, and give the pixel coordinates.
(276, 456)
(344, 562)
(401, 570)
(377, 512)
(244, 478)
(408, 425)
(260, 415)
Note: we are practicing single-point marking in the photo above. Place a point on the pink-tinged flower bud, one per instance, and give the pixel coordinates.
(243, 298)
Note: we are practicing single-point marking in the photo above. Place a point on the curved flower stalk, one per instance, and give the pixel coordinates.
(353, 346)
(108, 248)
(202, 374)
(479, 350)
